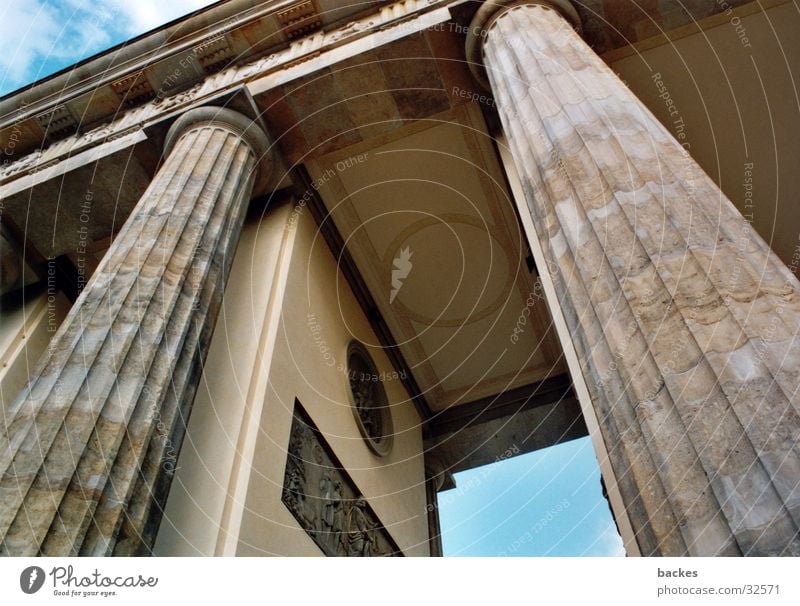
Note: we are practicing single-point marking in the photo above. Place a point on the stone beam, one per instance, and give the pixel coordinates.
(154, 81)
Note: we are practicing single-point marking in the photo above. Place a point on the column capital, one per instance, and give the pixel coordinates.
(436, 471)
(486, 15)
(221, 117)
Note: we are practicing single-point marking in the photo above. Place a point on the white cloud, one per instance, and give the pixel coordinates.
(27, 31)
(608, 542)
(143, 15)
(38, 37)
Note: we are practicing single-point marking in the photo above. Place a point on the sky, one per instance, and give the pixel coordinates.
(40, 37)
(545, 503)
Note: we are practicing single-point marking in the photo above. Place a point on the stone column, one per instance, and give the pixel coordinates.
(434, 480)
(89, 447)
(687, 326)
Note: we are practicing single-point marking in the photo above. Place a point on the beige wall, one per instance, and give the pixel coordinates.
(394, 485)
(25, 332)
(226, 495)
(219, 440)
(739, 105)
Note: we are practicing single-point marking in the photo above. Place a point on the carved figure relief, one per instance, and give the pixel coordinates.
(324, 500)
(164, 103)
(24, 163)
(361, 538)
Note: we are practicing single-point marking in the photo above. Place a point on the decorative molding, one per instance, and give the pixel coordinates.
(483, 22)
(300, 19)
(134, 89)
(369, 401)
(325, 501)
(146, 106)
(214, 54)
(57, 122)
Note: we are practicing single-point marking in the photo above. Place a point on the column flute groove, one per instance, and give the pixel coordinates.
(74, 334)
(130, 352)
(651, 254)
(696, 398)
(658, 506)
(109, 399)
(76, 512)
(112, 518)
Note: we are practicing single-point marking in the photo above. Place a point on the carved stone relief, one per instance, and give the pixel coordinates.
(370, 404)
(324, 500)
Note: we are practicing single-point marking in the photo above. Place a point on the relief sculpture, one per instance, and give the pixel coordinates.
(324, 500)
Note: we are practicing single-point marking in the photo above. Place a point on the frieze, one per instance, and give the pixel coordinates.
(135, 89)
(325, 501)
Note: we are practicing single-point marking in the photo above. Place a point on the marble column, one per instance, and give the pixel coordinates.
(687, 326)
(89, 447)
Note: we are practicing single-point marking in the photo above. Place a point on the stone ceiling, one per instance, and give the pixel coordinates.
(369, 95)
(612, 24)
(435, 190)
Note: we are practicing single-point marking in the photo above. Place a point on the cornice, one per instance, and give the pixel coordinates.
(179, 39)
(122, 120)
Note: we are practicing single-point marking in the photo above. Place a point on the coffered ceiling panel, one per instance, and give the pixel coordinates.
(427, 218)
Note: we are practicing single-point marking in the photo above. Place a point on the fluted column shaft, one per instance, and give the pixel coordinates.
(89, 447)
(687, 326)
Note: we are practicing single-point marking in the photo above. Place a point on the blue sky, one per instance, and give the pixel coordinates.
(40, 37)
(545, 503)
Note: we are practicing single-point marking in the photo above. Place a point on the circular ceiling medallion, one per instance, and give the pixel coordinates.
(369, 401)
(484, 305)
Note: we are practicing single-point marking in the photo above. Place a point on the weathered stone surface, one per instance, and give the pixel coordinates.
(687, 325)
(168, 75)
(90, 445)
